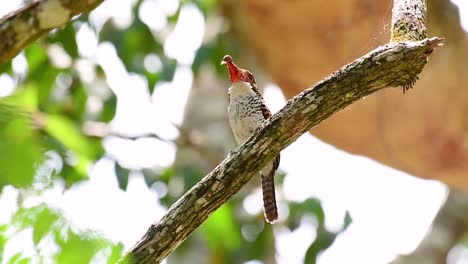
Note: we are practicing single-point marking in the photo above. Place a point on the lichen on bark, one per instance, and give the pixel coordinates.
(409, 20)
(36, 19)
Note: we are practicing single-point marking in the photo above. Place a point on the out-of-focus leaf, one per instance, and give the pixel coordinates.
(72, 175)
(309, 206)
(6, 67)
(45, 82)
(322, 242)
(167, 174)
(27, 217)
(24, 99)
(44, 222)
(36, 57)
(191, 176)
(78, 248)
(152, 78)
(150, 177)
(168, 70)
(225, 236)
(262, 247)
(122, 176)
(85, 149)
(346, 221)
(175, 17)
(69, 135)
(18, 143)
(79, 99)
(18, 258)
(66, 37)
(132, 44)
(73, 246)
(116, 253)
(212, 53)
(3, 240)
(108, 110)
(206, 6)
(324, 238)
(203, 55)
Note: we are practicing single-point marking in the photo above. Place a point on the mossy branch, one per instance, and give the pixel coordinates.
(395, 64)
(23, 26)
(409, 20)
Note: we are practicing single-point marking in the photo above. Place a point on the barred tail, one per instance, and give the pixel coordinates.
(269, 199)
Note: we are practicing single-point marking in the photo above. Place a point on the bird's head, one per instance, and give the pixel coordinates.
(237, 74)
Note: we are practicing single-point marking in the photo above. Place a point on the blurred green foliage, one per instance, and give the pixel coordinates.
(48, 111)
(49, 227)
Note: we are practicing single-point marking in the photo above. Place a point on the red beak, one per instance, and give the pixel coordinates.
(233, 69)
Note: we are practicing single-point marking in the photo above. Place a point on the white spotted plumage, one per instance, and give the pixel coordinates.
(244, 111)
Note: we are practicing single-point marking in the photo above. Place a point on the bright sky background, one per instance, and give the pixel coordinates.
(391, 210)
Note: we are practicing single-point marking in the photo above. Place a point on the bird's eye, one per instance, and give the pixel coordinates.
(251, 78)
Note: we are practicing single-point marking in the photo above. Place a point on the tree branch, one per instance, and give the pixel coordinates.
(395, 64)
(408, 20)
(34, 20)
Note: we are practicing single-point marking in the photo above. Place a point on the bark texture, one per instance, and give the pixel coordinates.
(36, 19)
(408, 20)
(395, 64)
(423, 133)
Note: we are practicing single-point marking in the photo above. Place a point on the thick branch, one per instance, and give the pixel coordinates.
(408, 20)
(395, 64)
(34, 20)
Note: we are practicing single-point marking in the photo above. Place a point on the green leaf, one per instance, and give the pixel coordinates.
(152, 79)
(309, 206)
(206, 6)
(150, 177)
(79, 248)
(346, 221)
(322, 242)
(225, 236)
(168, 70)
(122, 176)
(45, 82)
(18, 258)
(262, 247)
(71, 175)
(212, 53)
(36, 57)
(73, 246)
(108, 110)
(85, 149)
(6, 68)
(133, 44)
(65, 131)
(116, 253)
(44, 222)
(24, 99)
(67, 38)
(20, 148)
(3, 240)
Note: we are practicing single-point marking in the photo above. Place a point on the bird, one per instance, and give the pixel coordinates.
(246, 112)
